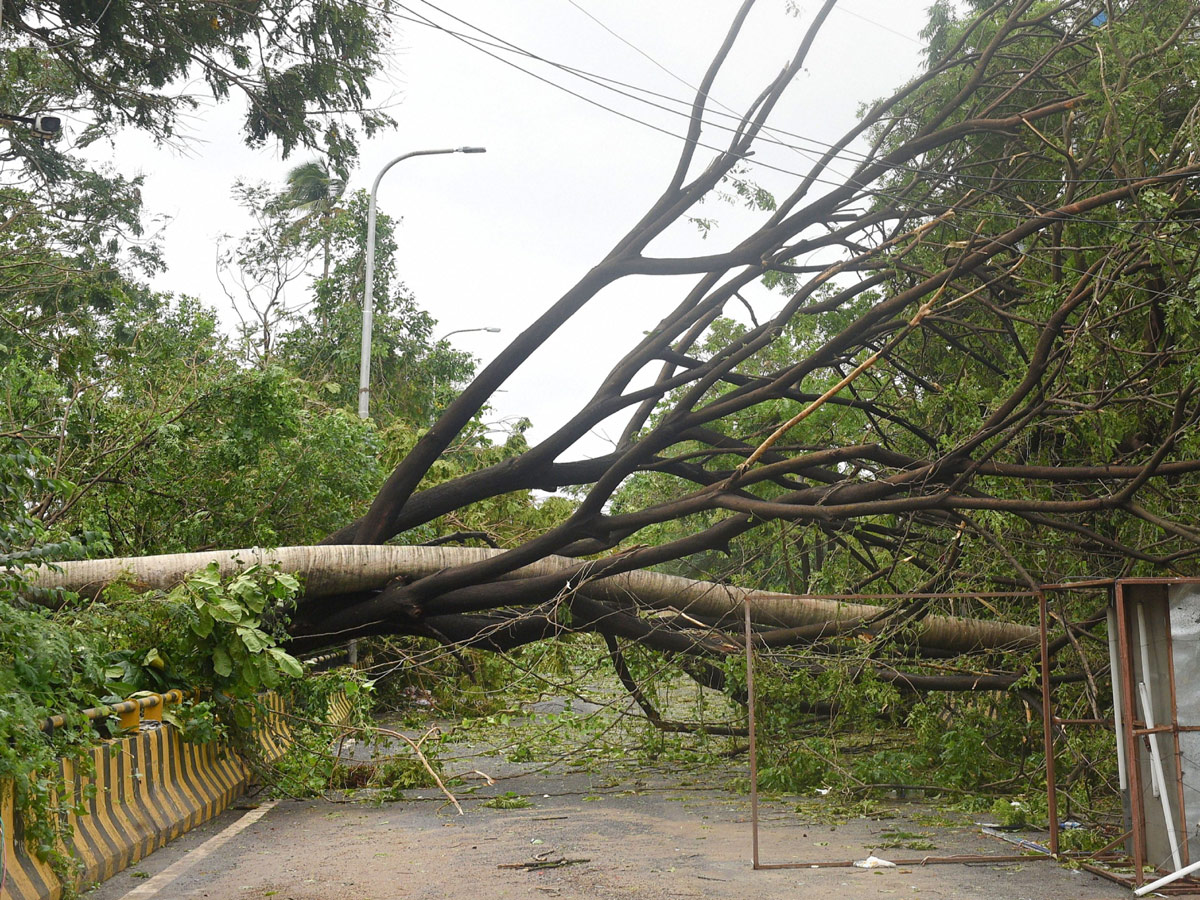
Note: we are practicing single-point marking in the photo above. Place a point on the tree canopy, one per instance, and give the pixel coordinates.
(966, 359)
(954, 360)
(977, 368)
(302, 67)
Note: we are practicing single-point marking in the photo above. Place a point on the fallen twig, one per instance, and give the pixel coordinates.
(416, 748)
(542, 864)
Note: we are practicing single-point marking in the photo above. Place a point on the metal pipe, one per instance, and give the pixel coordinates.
(124, 708)
(750, 722)
(1156, 779)
(913, 861)
(1078, 585)
(1115, 668)
(1167, 879)
(1137, 807)
(1183, 829)
(1156, 768)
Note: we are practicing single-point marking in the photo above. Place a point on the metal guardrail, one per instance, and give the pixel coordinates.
(349, 653)
(129, 713)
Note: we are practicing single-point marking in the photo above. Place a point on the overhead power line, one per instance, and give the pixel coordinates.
(496, 43)
(621, 88)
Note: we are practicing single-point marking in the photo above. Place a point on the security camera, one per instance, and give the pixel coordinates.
(41, 126)
(46, 126)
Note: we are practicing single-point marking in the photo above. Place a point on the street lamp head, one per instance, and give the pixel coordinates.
(492, 330)
(364, 363)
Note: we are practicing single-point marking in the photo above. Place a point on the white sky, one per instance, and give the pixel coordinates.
(492, 240)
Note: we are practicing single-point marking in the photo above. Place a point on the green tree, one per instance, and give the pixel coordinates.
(313, 191)
(979, 368)
(412, 373)
(303, 67)
(137, 421)
(264, 272)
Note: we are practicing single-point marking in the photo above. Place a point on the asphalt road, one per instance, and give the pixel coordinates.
(603, 835)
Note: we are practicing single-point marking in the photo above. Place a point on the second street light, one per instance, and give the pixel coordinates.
(364, 364)
(489, 329)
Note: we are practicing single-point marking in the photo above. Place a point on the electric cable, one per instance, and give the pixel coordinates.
(845, 154)
(865, 190)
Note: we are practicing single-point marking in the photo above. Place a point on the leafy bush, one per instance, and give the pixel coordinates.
(209, 633)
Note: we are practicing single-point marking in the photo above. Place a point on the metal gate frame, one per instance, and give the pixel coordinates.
(1051, 725)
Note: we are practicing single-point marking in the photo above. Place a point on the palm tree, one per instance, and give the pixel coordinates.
(314, 191)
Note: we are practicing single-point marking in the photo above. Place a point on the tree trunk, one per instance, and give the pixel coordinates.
(337, 570)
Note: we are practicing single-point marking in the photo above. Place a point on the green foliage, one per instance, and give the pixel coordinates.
(161, 440)
(508, 800)
(804, 768)
(89, 655)
(230, 615)
(313, 192)
(296, 63)
(905, 840)
(1010, 813)
(46, 667)
(312, 763)
(198, 722)
(48, 664)
(840, 728)
(321, 756)
(1084, 840)
(412, 374)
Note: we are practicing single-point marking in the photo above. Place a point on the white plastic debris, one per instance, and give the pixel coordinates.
(874, 862)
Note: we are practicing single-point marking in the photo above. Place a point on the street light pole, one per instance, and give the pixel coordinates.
(364, 362)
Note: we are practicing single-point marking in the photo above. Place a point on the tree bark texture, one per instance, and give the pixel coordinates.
(339, 571)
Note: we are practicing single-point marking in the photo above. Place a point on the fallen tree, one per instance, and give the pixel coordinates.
(955, 354)
(332, 571)
(972, 370)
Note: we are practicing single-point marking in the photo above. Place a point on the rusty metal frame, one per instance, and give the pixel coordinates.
(1048, 721)
(1051, 722)
(751, 727)
(751, 700)
(1132, 731)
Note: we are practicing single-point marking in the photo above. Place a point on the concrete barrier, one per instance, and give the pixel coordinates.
(150, 786)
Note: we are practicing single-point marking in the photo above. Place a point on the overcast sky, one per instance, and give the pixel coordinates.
(491, 240)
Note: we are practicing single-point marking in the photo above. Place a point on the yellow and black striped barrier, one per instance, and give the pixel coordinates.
(143, 790)
(149, 787)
